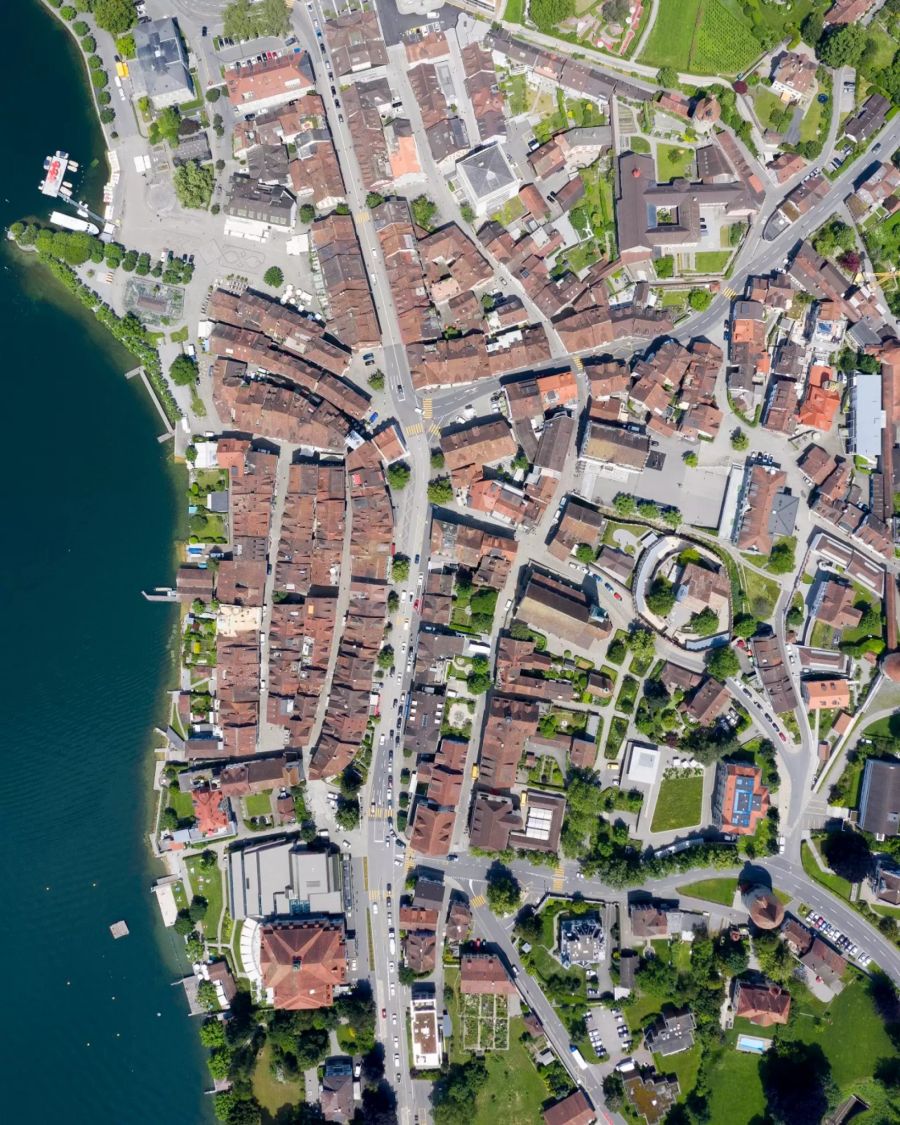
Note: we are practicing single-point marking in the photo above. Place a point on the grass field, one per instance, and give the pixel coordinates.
(851, 1034)
(762, 593)
(720, 891)
(258, 804)
(514, 1091)
(639, 144)
(685, 1066)
(679, 804)
(767, 106)
(711, 261)
(180, 802)
(271, 1094)
(513, 11)
(834, 883)
(735, 1089)
(700, 36)
(673, 162)
(208, 884)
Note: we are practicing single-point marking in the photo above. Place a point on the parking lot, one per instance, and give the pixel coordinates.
(608, 1032)
(833, 935)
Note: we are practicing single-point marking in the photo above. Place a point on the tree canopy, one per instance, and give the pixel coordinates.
(114, 16)
(183, 371)
(722, 662)
(398, 475)
(244, 20)
(274, 277)
(440, 490)
(503, 891)
(194, 184)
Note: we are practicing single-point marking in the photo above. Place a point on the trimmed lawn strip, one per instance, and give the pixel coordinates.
(735, 1089)
(679, 804)
(720, 891)
(208, 884)
(673, 162)
(833, 883)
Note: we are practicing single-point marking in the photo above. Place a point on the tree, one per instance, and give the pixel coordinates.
(393, 601)
(700, 299)
(739, 440)
(440, 490)
(169, 820)
(661, 596)
(194, 184)
(400, 568)
(584, 553)
(549, 14)
(347, 815)
(244, 20)
(467, 212)
(643, 643)
(722, 662)
(503, 891)
(797, 1081)
(529, 925)
(454, 1094)
(424, 212)
(373, 199)
(386, 657)
(624, 504)
(437, 459)
(705, 623)
(219, 1062)
(212, 1033)
(648, 509)
(842, 46)
(199, 907)
(398, 475)
(834, 236)
(208, 859)
(115, 16)
(183, 371)
(376, 381)
(168, 123)
(478, 682)
(781, 558)
(274, 277)
(691, 459)
(811, 29)
(848, 855)
(667, 76)
(745, 625)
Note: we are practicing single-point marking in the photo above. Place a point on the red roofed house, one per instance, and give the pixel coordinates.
(483, 974)
(763, 1005)
(573, 1110)
(212, 811)
(302, 963)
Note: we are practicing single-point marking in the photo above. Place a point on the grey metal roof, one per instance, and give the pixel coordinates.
(487, 171)
(160, 67)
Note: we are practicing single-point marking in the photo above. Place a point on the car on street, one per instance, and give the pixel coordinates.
(782, 736)
(617, 595)
(384, 1013)
(374, 907)
(345, 844)
(397, 1063)
(396, 1042)
(401, 394)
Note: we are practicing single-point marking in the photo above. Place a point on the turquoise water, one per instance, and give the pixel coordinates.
(92, 1032)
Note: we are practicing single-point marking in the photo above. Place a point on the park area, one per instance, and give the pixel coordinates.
(701, 37)
(679, 803)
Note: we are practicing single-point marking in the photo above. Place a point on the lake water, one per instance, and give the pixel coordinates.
(93, 1030)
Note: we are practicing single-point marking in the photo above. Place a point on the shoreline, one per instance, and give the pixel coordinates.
(86, 78)
(173, 955)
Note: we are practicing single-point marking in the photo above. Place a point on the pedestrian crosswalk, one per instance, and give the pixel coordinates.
(478, 900)
(362, 216)
(577, 363)
(559, 879)
(374, 894)
(415, 428)
(379, 814)
(428, 407)
(729, 292)
(434, 430)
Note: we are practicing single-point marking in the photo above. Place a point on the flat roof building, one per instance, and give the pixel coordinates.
(278, 877)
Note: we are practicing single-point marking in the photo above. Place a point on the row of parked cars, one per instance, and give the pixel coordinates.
(839, 940)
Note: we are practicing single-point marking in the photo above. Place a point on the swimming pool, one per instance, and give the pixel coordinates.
(752, 1044)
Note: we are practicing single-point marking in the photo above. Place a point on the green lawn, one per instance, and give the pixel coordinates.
(711, 261)
(271, 1094)
(679, 804)
(685, 1066)
(851, 1034)
(701, 36)
(821, 635)
(673, 163)
(258, 804)
(513, 11)
(767, 106)
(711, 890)
(735, 1089)
(208, 884)
(180, 802)
(639, 144)
(812, 119)
(516, 89)
(832, 882)
(762, 593)
(514, 1091)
